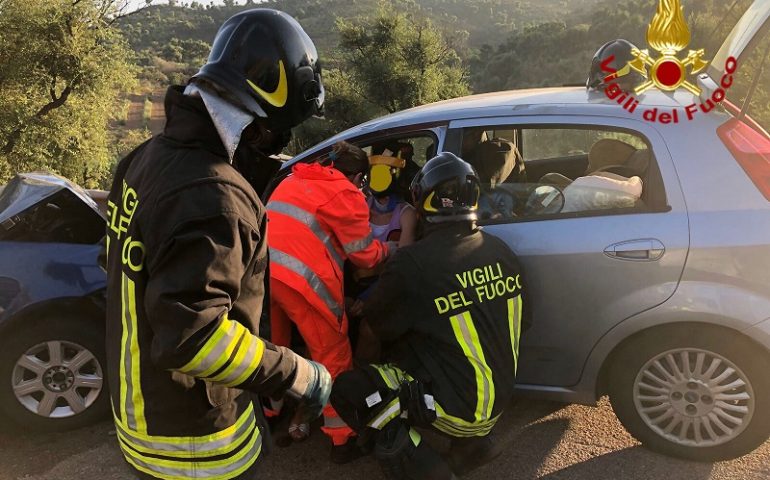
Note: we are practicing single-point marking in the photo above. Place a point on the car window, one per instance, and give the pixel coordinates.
(529, 173)
(539, 144)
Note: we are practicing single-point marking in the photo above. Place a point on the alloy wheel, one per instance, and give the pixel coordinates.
(57, 379)
(693, 397)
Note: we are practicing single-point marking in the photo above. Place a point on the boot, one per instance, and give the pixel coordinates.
(404, 456)
(467, 454)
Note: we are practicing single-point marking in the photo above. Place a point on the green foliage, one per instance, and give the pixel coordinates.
(559, 53)
(486, 21)
(63, 68)
(389, 62)
(397, 61)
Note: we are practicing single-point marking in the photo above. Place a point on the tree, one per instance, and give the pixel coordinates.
(395, 61)
(64, 65)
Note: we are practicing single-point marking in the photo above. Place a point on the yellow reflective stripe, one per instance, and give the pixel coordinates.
(123, 350)
(232, 352)
(136, 382)
(199, 442)
(214, 463)
(245, 340)
(392, 410)
(462, 428)
(253, 365)
(188, 470)
(227, 448)
(392, 375)
(514, 326)
(415, 436)
(468, 338)
(225, 330)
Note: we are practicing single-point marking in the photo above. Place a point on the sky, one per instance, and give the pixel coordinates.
(140, 3)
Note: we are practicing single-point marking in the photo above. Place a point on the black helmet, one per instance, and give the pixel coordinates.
(447, 189)
(626, 77)
(266, 61)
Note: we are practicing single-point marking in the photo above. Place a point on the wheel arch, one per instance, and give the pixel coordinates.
(686, 322)
(89, 306)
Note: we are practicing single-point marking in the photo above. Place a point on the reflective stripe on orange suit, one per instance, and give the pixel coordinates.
(317, 220)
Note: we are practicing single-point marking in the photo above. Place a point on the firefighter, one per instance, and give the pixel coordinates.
(318, 219)
(448, 309)
(186, 258)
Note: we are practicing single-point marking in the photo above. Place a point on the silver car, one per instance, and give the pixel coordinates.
(659, 297)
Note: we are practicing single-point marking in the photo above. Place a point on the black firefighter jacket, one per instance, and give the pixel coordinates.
(186, 257)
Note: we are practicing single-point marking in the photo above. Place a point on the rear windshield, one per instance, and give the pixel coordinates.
(751, 91)
(749, 40)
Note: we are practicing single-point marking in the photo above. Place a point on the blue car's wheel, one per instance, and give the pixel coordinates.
(52, 373)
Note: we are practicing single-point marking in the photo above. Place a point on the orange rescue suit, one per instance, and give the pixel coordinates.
(317, 220)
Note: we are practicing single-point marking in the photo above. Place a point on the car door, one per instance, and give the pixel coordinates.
(588, 271)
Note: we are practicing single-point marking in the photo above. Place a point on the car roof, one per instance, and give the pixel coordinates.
(539, 101)
(575, 100)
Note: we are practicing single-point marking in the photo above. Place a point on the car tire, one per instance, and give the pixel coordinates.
(53, 373)
(699, 393)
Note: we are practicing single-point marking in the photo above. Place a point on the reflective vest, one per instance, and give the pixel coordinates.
(317, 220)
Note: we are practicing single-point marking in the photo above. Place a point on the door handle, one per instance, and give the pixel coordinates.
(645, 250)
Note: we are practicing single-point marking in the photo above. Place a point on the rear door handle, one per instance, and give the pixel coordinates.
(645, 250)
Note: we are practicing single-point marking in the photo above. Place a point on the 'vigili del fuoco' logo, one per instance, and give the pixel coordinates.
(668, 34)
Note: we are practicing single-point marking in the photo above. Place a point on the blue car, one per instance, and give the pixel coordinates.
(51, 304)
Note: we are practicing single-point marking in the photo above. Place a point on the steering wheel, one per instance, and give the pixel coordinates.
(545, 199)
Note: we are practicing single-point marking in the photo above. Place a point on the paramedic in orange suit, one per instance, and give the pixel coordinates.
(318, 218)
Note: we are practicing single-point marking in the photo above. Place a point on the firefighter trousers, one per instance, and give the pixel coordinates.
(326, 338)
(369, 397)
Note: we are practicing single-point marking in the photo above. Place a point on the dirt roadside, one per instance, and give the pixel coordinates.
(542, 440)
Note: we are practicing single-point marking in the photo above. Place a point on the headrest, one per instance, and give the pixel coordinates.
(494, 160)
(606, 152)
(639, 162)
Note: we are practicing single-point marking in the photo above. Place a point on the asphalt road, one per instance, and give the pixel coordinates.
(542, 440)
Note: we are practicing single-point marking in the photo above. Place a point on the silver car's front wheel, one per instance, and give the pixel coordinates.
(694, 397)
(57, 379)
(693, 391)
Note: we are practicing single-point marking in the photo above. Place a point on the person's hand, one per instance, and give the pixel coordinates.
(392, 247)
(312, 385)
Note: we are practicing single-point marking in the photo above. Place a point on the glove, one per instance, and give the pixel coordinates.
(416, 399)
(312, 386)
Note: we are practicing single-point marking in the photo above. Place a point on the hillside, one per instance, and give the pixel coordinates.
(486, 21)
